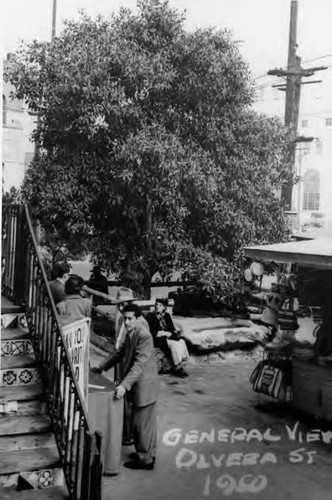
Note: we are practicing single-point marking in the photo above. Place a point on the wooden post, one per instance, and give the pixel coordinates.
(292, 97)
(54, 20)
(291, 65)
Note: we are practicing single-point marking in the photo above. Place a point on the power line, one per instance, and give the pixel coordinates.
(317, 58)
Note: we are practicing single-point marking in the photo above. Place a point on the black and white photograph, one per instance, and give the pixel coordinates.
(166, 252)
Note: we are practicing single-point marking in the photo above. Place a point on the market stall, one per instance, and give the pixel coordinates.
(297, 364)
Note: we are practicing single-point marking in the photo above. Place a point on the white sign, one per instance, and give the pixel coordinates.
(76, 336)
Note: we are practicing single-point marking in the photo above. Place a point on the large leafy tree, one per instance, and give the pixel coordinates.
(150, 154)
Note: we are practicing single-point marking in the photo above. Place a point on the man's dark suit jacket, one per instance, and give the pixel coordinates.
(139, 366)
(58, 290)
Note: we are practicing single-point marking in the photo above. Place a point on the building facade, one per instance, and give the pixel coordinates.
(17, 147)
(312, 196)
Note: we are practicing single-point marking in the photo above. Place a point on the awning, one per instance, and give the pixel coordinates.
(314, 253)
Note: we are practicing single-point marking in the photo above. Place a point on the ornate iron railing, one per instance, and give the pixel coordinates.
(25, 282)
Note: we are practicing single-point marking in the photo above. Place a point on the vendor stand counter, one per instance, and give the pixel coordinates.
(311, 378)
(106, 415)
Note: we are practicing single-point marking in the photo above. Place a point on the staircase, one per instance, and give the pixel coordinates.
(29, 455)
(47, 448)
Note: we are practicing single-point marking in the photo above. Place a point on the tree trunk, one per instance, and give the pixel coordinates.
(146, 285)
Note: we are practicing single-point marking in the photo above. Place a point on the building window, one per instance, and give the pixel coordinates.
(328, 122)
(311, 201)
(311, 195)
(304, 124)
(4, 111)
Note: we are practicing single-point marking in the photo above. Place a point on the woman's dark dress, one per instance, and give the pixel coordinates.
(157, 324)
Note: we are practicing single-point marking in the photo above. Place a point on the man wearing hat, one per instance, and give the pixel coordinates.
(166, 338)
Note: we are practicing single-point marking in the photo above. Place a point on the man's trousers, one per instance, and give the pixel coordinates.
(145, 432)
(127, 434)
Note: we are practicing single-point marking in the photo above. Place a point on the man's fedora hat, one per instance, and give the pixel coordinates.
(124, 295)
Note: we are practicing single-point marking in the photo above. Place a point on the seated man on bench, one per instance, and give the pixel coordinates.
(166, 338)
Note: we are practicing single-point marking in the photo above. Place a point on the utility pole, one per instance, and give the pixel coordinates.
(54, 10)
(54, 20)
(292, 63)
(294, 74)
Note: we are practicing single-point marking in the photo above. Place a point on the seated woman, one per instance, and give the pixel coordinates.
(165, 337)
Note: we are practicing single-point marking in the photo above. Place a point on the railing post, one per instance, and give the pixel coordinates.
(21, 259)
(97, 470)
(89, 446)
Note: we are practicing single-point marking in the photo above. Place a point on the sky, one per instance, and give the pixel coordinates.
(261, 25)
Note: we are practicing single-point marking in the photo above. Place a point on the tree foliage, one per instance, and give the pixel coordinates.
(151, 156)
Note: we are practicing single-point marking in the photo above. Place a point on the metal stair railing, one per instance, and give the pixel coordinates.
(25, 282)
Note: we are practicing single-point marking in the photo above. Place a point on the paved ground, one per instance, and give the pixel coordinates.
(253, 448)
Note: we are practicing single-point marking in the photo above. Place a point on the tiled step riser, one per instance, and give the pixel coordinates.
(45, 478)
(14, 320)
(9, 480)
(23, 408)
(19, 376)
(16, 347)
(9, 320)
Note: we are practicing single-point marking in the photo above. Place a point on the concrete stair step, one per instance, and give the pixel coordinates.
(35, 407)
(8, 307)
(56, 493)
(14, 334)
(19, 376)
(29, 460)
(27, 442)
(25, 424)
(9, 362)
(21, 393)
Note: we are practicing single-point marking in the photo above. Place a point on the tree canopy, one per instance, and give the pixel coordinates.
(150, 154)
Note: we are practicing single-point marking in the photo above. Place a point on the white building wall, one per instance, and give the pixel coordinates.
(17, 148)
(315, 114)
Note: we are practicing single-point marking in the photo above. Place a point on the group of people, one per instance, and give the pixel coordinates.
(67, 293)
(134, 358)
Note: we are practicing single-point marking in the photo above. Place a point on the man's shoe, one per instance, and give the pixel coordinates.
(137, 465)
(135, 456)
(181, 373)
(127, 442)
